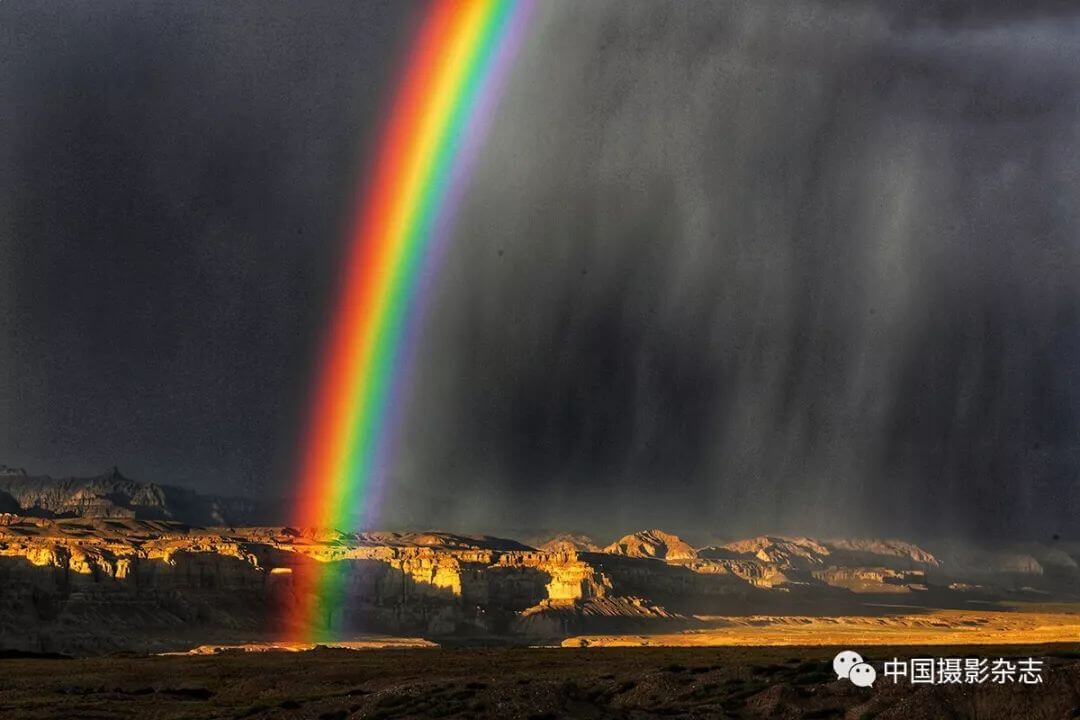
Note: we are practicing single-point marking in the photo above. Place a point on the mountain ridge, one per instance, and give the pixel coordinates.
(89, 585)
(112, 495)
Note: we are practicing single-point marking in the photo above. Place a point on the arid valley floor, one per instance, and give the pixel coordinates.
(520, 683)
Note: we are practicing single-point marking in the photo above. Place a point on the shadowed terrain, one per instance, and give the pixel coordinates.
(85, 586)
(520, 684)
(134, 616)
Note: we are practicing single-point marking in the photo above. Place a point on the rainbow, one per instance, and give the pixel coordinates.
(426, 148)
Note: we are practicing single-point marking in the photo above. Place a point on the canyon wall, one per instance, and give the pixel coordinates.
(83, 585)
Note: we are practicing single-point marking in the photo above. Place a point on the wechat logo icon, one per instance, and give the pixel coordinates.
(850, 665)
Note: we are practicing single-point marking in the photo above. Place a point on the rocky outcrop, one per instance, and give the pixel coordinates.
(872, 579)
(83, 585)
(793, 552)
(896, 554)
(652, 544)
(568, 542)
(862, 565)
(79, 585)
(111, 495)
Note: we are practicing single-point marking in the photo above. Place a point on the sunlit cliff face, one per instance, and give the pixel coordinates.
(100, 584)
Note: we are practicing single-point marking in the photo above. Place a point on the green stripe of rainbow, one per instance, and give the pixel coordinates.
(458, 61)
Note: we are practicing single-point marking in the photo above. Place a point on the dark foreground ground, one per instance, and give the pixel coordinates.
(538, 684)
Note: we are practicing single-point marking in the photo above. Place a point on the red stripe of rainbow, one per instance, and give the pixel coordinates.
(459, 59)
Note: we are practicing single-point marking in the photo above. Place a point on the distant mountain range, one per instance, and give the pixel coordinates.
(107, 563)
(90, 585)
(111, 495)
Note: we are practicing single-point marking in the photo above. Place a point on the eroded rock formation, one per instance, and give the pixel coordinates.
(111, 495)
(84, 585)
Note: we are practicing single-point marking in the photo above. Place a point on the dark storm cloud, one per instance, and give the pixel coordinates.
(789, 266)
(728, 267)
(177, 176)
(960, 14)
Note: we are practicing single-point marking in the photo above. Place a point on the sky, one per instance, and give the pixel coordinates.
(724, 267)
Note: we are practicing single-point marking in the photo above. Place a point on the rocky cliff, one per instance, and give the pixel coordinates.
(82, 585)
(653, 544)
(111, 495)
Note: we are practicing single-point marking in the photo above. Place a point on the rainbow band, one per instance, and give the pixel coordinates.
(428, 145)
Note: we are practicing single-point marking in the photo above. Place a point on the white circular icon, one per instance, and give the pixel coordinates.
(863, 675)
(844, 661)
